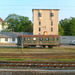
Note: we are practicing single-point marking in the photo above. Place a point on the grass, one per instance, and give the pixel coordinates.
(28, 50)
(36, 59)
(65, 48)
(53, 50)
(65, 60)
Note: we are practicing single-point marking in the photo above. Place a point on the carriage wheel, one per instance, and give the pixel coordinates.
(50, 46)
(43, 46)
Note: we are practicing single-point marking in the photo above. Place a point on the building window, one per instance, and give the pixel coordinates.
(6, 39)
(13, 39)
(39, 29)
(51, 29)
(39, 33)
(51, 23)
(39, 14)
(39, 22)
(51, 14)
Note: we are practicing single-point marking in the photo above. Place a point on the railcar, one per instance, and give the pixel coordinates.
(41, 40)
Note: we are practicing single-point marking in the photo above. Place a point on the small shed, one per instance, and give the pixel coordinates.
(66, 39)
(11, 37)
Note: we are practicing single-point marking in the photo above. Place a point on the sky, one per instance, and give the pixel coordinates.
(24, 7)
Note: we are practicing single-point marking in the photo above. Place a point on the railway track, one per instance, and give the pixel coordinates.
(36, 64)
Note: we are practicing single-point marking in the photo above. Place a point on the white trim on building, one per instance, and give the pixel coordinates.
(8, 40)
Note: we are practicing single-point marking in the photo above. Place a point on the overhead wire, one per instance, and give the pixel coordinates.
(41, 5)
(57, 7)
(31, 9)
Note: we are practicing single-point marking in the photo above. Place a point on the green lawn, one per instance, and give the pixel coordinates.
(36, 59)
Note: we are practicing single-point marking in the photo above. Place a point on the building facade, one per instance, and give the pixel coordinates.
(11, 37)
(45, 21)
(4, 27)
(1, 21)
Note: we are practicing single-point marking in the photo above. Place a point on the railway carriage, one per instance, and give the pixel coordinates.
(42, 40)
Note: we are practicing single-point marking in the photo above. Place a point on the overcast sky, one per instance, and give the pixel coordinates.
(24, 7)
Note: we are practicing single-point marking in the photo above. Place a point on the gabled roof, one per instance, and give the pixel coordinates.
(38, 36)
(13, 34)
(3, 36)
(1, 20)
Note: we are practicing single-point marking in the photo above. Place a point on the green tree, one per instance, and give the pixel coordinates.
(68, 26)
(61, 31)
(72, 26)
(19, 23)
(64, 24)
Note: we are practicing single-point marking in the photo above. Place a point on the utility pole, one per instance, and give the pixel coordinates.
(22, 42)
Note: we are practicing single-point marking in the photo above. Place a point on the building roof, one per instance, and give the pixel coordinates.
(2, 36)
(1, 20)
(13, 34)
(45, 9)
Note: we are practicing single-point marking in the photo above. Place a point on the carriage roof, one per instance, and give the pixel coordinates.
(38, 36)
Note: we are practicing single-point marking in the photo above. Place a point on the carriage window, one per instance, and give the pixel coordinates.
(53, 38)
(34, 39)
(19, 39)
(41, 39)
(47, 39)
(24, 39)
(57, 39)
(28, 39)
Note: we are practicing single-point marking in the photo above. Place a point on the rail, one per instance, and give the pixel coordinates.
(37, 64)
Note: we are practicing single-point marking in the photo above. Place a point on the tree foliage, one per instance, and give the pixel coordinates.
(68, 26)
(19, 23)
(72, 26)
(61, 31)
